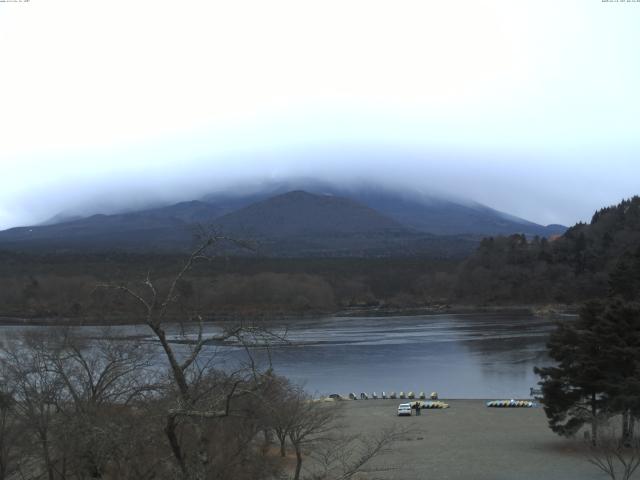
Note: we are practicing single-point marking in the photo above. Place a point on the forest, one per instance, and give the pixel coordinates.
(569, 269)
(503, 271)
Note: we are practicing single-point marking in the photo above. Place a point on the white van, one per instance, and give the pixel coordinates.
(404, 409)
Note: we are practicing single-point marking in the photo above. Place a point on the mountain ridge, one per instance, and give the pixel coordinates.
(296, 222)
(299, 213)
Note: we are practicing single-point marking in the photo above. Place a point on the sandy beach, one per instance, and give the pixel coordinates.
(470, 441)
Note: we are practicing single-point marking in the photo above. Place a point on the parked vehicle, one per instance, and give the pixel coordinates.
(404, 410)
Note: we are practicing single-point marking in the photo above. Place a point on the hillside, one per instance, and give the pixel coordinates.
(300, 223)
(574, 267)
(300, 213)
(324, 221)
(162, 229)
(416, 210)
(442, 216)
(292, 224)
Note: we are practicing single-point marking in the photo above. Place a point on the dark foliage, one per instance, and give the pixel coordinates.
(571, 268)
(587, 262)
(597, 371)
(63, 285)
(574, 388)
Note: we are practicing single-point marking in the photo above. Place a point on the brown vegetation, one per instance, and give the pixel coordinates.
(64, 286)
(77, 408)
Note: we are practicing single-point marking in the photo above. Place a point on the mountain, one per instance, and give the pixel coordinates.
(295, 223)
(299, 223)
(419, 211)
(156, 229)
(442, 216)
(322, 220)
(300, 213)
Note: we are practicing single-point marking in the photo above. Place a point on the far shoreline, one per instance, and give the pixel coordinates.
(536, 310)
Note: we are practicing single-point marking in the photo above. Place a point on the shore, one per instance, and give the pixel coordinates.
(536, 310)
(470, 441)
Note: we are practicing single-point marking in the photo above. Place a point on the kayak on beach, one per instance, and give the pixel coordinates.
(511, 403)
(433, 404)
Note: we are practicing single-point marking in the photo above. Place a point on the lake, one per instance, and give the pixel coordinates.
(459, 356)
(488, 355)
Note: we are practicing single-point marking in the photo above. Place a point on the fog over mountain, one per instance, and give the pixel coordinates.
(502, 103)
(543, 192)
(282, 219)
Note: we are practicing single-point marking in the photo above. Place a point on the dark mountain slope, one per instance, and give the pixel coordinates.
(300, 213)
(447, 217)
(293, 224)
(329, 220)
(416, 210)
(299, 223)
(160, 229)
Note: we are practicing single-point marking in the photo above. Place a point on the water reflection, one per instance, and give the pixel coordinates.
(460, 356)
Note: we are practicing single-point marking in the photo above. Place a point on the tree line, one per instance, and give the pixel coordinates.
(572, 268)
(51, 286)
(513, 270)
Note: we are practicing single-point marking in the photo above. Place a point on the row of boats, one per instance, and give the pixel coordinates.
(433, 403)
(511, 404)
(384, 396)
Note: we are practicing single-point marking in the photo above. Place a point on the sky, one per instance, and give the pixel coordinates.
(530, 107)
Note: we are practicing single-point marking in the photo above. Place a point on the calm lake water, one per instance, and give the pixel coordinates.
(457, 355)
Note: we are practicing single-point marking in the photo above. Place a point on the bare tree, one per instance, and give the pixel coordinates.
(280, 400)
(101, 408)
(9, 434)
(72, 398)
(101, 378)
(311, 422)
(37, 392)
(616, 457)
(100, 371)
(313, 429)
(200, 394)
(342, 457)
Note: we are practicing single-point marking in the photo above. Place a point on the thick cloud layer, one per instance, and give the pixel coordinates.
(529, 107)
(545, 190)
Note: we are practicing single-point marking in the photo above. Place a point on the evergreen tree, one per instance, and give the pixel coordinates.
(574, 389)
(619, 332)
(598, 369)
(625, 278)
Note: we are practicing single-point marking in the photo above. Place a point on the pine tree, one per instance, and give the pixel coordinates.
(598, 369)
(619, 331)
(624, 280)
(574, 389)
